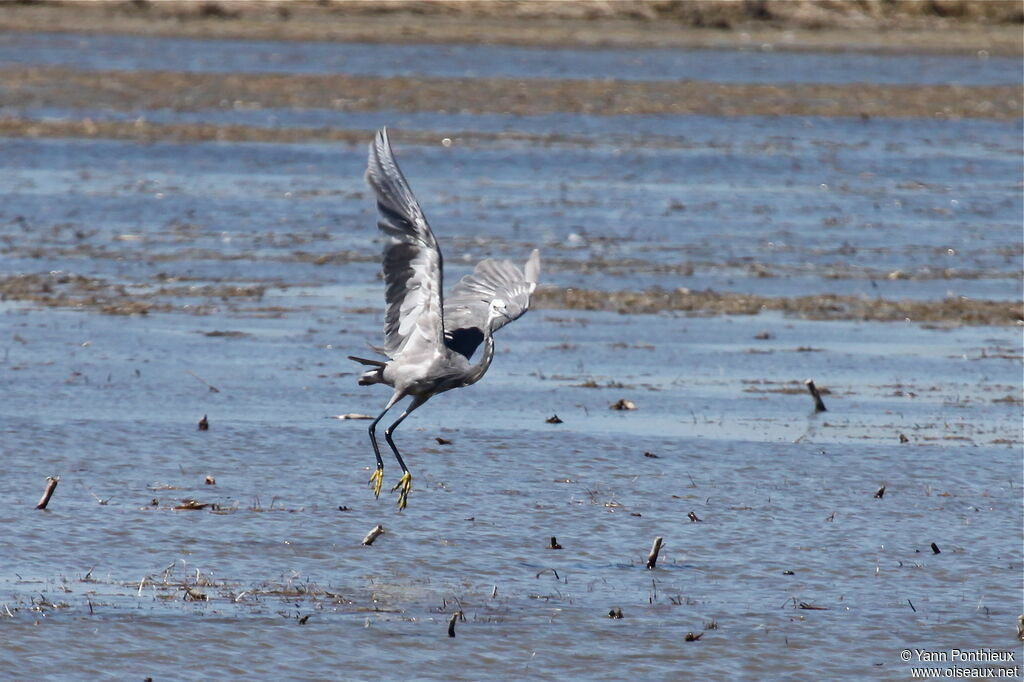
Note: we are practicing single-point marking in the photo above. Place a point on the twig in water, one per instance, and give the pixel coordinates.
(451, 622)
(373, 534)
(540, 573)
(652, 558)
(912, 605)
(213, 389)
(51, 485)
(819, 405)
(494, 592)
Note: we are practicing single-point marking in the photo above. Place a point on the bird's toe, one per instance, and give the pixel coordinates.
(403, 487)
(377, 481)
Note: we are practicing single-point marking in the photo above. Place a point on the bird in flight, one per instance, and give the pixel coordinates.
(430, 340)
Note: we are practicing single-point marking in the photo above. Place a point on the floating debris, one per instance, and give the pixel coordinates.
(190, 504)
(192, 594)
(376, 532)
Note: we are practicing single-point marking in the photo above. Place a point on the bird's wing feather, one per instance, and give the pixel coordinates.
(412, 260)
(467, 306)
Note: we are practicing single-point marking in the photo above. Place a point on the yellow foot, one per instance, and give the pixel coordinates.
(376, 481)
(403, 487)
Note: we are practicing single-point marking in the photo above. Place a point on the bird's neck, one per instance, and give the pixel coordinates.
(480, 368)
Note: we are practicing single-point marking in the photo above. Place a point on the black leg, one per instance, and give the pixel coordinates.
(416, 402)
(404, 484)
(377, 478)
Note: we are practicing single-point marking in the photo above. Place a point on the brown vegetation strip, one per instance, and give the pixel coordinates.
(814, 307)
(145, 131)
(95, 294)
(133, 90)
(946, 26)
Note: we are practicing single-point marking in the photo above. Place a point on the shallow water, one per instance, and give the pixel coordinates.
(106, 584)
(97, 51)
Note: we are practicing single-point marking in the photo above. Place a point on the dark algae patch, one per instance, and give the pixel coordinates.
(813, 307)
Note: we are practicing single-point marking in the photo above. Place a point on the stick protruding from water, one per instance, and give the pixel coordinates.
(51, 485)
(451, 622)
(652, 558)
(819, 404)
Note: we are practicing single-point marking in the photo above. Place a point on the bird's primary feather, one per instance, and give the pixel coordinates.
(412, 262)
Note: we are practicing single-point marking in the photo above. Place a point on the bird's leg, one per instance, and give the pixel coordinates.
(377, 477)
(404, 484)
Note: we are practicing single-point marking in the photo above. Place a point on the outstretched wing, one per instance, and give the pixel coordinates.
(412, 260)
(466, 307)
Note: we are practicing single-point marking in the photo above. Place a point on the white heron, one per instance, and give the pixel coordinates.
(429, 341)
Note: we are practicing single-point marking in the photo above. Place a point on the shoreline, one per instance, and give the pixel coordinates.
(796, 26)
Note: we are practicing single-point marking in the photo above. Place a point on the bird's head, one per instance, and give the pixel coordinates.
(497, 309)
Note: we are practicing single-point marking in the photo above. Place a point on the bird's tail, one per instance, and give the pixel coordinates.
(373, 376)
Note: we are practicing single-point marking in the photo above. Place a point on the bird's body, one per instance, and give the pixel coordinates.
(429, 341)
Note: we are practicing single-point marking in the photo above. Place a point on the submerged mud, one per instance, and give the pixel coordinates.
(98, 295)
(814, 307)
(132, 90)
